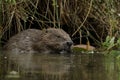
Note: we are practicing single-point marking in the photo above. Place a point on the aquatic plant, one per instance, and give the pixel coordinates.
(110, 43)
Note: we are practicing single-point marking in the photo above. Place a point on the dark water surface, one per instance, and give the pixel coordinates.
(60, 67)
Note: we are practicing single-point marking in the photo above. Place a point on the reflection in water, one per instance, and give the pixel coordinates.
(59, 67)
(44, 66)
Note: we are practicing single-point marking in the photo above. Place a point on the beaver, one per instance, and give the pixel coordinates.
(51, 40)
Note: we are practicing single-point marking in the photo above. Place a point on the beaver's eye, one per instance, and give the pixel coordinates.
(58, 36)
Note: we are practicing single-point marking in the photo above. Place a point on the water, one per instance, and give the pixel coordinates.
(59, 67)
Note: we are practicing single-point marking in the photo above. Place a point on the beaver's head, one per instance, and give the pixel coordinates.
(56, 41)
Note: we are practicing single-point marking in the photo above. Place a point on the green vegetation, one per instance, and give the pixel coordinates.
(110, 43)
(97, 20)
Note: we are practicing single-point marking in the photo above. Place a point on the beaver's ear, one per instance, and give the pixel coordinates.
(48, 30)
(45, 31)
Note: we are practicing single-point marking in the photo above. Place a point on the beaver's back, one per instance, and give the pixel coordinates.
(23, 40)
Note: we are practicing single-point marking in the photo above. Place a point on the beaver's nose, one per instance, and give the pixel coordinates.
(69, 43)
